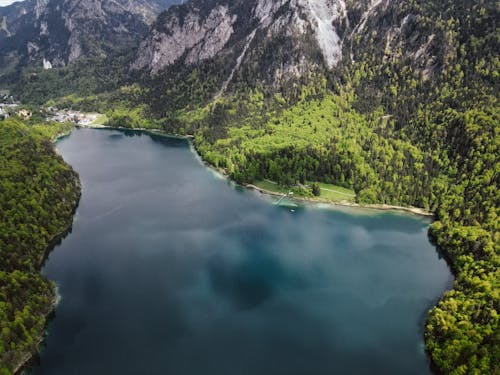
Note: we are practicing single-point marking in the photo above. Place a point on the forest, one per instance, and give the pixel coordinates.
(38, 195)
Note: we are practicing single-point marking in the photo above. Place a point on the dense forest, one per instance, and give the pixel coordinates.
(86, 76)
(38, 195)
(454, 115)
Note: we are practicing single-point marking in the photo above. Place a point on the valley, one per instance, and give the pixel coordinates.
(379, 103)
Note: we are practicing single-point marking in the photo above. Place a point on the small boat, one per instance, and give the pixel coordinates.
(286, 203)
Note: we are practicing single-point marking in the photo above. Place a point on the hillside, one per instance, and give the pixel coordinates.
(38, 195)
(44, 35)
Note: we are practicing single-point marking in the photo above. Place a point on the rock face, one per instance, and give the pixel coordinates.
(57, 32)
(12, 18)
(275, 40)
(197, 36)
(271, 41)
(200, 30)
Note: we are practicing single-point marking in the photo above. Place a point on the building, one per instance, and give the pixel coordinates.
(25, 114)
(3, 113)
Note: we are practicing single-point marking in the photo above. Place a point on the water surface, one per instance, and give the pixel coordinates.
(171, 270)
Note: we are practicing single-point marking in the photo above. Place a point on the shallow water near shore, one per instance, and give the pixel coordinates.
(171, 270)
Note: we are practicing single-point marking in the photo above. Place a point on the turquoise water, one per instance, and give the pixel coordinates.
(171, 270)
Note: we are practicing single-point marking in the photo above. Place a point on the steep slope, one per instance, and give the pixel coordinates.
(39, 194)
(54, 48)
(53, 33)
(286, 38)
(12, 18)
(276, 41)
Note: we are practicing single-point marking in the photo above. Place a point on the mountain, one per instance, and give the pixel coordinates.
(269, 41)
(274, 41)
(11, 18)
(202, 30)
(54, 33)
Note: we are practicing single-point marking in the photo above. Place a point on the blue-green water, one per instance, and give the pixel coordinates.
(171, 270)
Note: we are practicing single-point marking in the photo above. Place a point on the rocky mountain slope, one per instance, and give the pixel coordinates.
(53, 33)
(290, 37)
(277, 40)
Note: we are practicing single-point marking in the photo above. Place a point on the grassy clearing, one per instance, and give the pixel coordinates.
(100, 120)
(336, 193)
(271, 186)
(329, 192)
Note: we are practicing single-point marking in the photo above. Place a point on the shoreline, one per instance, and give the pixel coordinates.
(317, 200)
(153, 131)
(28, 357)
(374, 207)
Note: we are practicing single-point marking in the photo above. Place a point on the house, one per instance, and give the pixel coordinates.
(2, 114)
(25, 114)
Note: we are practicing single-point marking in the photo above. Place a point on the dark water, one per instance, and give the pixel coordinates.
(171, 270)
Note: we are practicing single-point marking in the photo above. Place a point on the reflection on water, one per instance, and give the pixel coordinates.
(170, 270)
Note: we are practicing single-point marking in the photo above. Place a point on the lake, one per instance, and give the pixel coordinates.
(170, 269)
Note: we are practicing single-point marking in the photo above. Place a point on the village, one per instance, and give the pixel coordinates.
(10, 107)
(75, 117)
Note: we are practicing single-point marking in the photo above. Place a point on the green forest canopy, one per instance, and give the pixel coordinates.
(38, 193)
